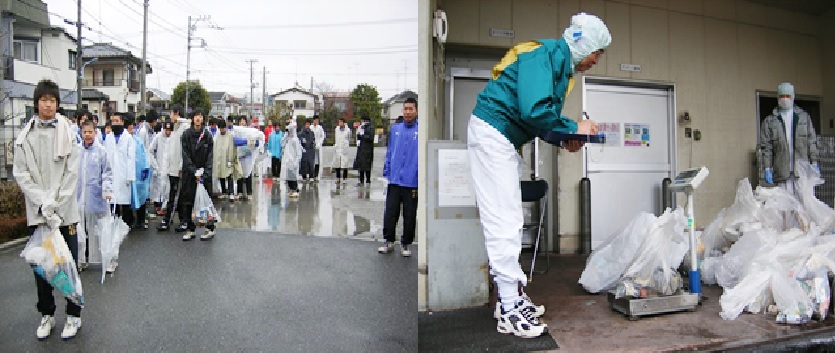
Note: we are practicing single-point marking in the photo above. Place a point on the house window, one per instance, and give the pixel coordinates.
(108, 77)
(71, 59)
(299, 104)
(26, 50)
(131, 108)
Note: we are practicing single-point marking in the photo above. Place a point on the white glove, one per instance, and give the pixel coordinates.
(199, 173)
(53, 221)
(49, 207)
(107, 196)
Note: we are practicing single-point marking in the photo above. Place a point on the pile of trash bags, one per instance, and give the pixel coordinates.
(771, 251)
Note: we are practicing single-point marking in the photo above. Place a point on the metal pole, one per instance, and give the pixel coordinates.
(188, 62)
(144, 63)
(78, 67)
(264, 95)
(695, 276)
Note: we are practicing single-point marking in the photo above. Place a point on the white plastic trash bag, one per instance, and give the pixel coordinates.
(819, 212)
(112, 231)
(50, 257)
(607, 263)
(204, 211)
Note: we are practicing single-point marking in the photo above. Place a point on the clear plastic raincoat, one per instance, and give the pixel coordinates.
(291, 150)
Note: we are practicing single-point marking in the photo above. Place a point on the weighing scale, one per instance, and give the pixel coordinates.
(687, 181)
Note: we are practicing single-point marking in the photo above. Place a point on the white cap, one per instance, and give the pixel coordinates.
(586, 34)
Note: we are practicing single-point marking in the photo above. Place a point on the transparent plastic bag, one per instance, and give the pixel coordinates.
(744, 210)
(733, 265)
(112, 231)
(819, 212)
(735, 300)
(606, 264)
(660, 254)
(777, 203)
(792, 301)
(50, 257)
(204, 211)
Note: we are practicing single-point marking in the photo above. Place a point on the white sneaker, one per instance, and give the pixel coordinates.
(208, 235)
(188, 236)
(249, 197)
(405, 252)
(111, 267)
(521, 323)
(386, 248)
(152, 215)
(223, 197)
(71, 327)
(45, 328)
(536, 310)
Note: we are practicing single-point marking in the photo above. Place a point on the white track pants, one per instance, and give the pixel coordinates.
(494, 165)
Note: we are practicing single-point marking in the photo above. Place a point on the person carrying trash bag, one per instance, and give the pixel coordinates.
(523, 98)
(95, 190)
(46, 169)
(197, 145)
(786, 136)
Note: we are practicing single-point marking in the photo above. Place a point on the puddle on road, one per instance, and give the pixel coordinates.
(314, 213)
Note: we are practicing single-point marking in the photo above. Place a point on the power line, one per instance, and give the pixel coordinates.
(318, 54)
(327, 25)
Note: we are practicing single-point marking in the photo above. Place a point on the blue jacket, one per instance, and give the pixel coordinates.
(274, 143)
(401, 166)
(527, 90)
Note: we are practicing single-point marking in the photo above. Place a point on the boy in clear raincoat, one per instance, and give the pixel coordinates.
(95, 189)
(291, 156)
(158, 157)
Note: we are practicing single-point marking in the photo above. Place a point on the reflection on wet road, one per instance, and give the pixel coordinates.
(320, 209)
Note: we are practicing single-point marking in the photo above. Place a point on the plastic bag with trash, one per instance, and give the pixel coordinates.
(50, 257)
(112, 231)
(659, 256)
(606, 264)
(781, 210)
(730, 269)
(819, 212)
(204, 211)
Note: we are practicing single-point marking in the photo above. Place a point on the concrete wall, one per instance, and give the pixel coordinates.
(717, 52)
(827, 40)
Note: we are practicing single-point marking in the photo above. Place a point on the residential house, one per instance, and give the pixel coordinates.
(116, 73)
(298, 101)
(342, 102)
(224, 104)
(32, 50)
(393, 107)
(158, 100)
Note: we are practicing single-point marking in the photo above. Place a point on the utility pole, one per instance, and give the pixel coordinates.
(144, 63)
(191, 28)
(251, 88)
(78, 67)
(264, 95)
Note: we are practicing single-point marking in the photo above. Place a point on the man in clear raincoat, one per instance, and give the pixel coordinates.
(291, 156)
(158, 156)
(319, 137)
(341, 144)
(95, 189)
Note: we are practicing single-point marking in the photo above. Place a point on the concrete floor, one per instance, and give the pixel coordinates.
(279, 276)
(582, 322)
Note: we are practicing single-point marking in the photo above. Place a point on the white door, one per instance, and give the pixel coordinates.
(464, 92)
(627, 172)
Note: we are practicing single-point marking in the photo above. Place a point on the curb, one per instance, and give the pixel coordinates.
(12, 243)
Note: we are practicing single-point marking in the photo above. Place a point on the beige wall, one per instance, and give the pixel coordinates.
(717, 52)
(828, 75)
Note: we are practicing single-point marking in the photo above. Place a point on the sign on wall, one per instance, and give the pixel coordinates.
(454, 180)
(635, 135)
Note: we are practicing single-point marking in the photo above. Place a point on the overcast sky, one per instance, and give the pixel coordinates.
(339, 42)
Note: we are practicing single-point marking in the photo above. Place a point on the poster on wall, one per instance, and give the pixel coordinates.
(635, 135)
(612, 131)
(454, 180)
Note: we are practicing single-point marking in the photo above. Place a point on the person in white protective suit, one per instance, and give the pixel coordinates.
(95, 190)
(319, 139)
(121, 153)
(523, 99)
(341, 144)
(291, 156)
(158, 155)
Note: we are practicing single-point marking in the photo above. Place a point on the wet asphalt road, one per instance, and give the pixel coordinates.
(277, 291)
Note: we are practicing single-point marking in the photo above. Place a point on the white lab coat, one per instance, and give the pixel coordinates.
(341, 145)
(319, 139)
(122, 158)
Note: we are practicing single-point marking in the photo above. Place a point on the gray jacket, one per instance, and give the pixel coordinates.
(774, 148)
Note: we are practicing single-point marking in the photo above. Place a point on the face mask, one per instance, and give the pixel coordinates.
(157, 128)
(117, 129)
(784, 103)
(214, 129)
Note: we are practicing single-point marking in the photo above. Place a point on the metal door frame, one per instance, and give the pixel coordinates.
(672, 128)
(463, 73)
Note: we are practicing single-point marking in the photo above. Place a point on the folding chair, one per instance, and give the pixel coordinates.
(537, 191)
